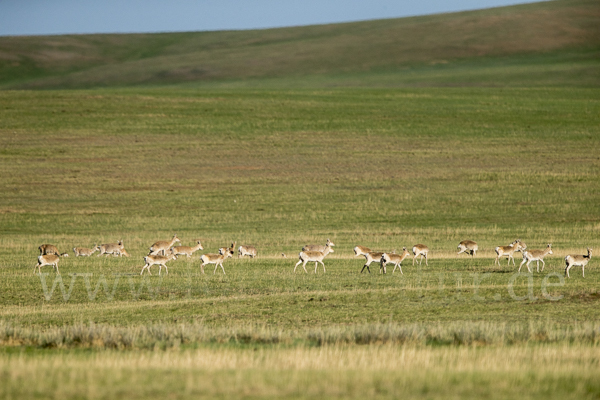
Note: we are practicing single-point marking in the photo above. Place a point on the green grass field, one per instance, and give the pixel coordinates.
(497, 144)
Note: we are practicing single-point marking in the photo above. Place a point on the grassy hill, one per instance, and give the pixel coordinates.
(555, 43)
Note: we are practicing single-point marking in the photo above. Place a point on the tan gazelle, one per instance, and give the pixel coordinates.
(247, 251)
(361, 251)
(47, 259)
(216, 259)
(162, 246)
(395, 259)
(187, 250)
(314, 256)
(535, 255)
(85, 251)
(468, 247)
(318, 247)
(577, 260)
(48, 249)
(420, 250)
(509, 251)
(159, 260)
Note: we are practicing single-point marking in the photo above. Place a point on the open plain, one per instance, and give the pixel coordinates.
(279, 162)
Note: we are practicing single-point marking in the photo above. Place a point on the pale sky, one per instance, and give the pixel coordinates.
(51, 17)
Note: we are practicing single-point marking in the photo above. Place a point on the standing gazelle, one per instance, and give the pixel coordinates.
(216, 259)
(47, 259)
(535, 255)
(509, 251)
(577, 260)
(468, 247)
(396, 259)
(163, 245)
(313, 256)
(230, 249)
(187, 250)
(159, 260)
(420, 250)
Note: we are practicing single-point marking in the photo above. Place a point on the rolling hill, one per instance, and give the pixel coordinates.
(554, 43)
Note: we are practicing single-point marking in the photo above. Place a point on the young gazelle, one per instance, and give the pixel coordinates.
(396, 259)
(163, 245)
(247, 251)
(47, 259)
(318, 247)
(370, 257)
(48, 249)
(85, 251)
(468, 247)
(313, 256)
(159, 260)
(216, 259)
(187, 250)
(509, 251)
(535, 255)
(420, 250)
(577, 260)
(361, 251)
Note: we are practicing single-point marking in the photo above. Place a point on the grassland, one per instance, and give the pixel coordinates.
(280, 161)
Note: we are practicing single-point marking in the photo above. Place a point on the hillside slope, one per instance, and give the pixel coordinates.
(446, 49)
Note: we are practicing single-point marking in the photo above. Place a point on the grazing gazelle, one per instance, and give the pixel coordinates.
(159, 260)
(468, 247)
(230, 249)
(318, 247)
(163, 245)
(85, 251)
(361, 251)
(116, 249)
(370, 257)
(48, 249)
(420, 250)
(313, 256)
(247, 251)
(535, 255)
(396, 259)
(47, 259)
(187, 250)
(216, 259)
(577, 260)
(509, 251)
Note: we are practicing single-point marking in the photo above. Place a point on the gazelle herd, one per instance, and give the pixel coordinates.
(162, 252)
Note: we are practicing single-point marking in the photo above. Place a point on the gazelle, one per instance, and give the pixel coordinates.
(509, 251)
(159, 260)
(318, 247)
(420, 250)
(370, 257)
(230, 249)
(535, 255)
(361, 250)
(47, 259)
(468, 247)
(85, 251)
(116, 249)
(247, 251)
(313, 256)
(216, 259)
(396, 259)
(577, 260)
(48, 249)
(163, 245)
(187, 250)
